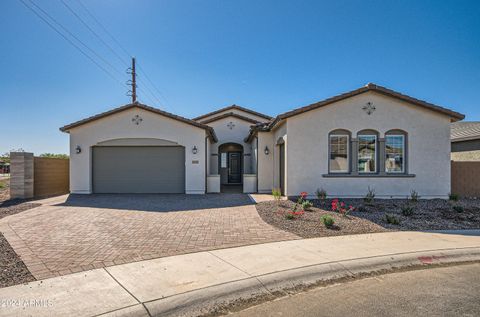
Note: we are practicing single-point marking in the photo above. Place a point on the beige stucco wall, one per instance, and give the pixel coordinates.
(227, 135)
(119, 126)
(428, 147)
(265, 162)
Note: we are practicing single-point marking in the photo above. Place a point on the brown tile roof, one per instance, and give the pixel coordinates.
(233, 107)
(465, 131)
(210, 131)
(230, 114)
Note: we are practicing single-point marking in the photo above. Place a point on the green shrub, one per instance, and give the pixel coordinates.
(408, 211)
(370, 196)
(458, 208)
(391, 219)
(276, 193)
(306, 205)
(327, 220)
(321, 194)
(453, 197)
(414, 196)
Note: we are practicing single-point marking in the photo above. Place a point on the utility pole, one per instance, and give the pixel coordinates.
(132, 82)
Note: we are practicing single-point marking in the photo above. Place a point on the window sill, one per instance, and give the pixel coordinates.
(368, 175)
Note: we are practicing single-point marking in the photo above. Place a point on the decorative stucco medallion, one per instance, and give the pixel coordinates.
(137, 119)
(231, 125)
(369, 108)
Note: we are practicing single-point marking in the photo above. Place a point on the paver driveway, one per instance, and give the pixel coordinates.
(90, 231)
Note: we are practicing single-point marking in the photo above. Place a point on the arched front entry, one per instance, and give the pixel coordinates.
(230, 165)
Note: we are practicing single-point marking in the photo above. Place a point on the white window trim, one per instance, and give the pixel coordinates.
(330, 152)
(404, 158)
(375, 154)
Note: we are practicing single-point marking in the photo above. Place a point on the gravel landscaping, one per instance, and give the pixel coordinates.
(435, 214)
(309, 224)
(12, 270)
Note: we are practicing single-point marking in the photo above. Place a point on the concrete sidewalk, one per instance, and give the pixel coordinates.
(194, 283)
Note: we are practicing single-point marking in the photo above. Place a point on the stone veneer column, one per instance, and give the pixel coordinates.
(21, 175)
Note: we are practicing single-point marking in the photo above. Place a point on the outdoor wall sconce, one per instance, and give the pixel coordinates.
(266, 151)
(194, 150)
(78, 149)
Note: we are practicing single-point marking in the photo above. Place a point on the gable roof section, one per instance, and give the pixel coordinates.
(465, 131)
(230, 114)
(455, 116)
(210, 131)
(233, 107)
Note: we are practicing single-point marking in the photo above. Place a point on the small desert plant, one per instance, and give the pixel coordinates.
(408, 211)
(458, 208)
(340, 207)
(370, 196)
(276, 193)
(453, 197)
(289, 216)
(414, 195)
(391, 219)
(327, 220)
(321, 194)
(306, 205)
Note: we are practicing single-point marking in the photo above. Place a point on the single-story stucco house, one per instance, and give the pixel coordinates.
(465, 137)
(369, 137)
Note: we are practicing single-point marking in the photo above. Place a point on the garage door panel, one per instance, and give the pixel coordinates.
(135, 169)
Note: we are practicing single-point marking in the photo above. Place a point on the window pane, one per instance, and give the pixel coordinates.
(394, 151)
(223, 160)
(339, 153)
(367, 146)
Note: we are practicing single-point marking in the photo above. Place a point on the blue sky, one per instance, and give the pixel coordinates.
(271, 56)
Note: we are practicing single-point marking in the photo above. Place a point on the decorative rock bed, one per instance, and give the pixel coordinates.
(434, 214)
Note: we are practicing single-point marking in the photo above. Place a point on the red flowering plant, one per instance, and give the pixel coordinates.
(295, 213)
(341, 208)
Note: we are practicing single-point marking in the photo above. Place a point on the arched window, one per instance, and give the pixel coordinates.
(395, 151)
(339, 151)
(367, 151)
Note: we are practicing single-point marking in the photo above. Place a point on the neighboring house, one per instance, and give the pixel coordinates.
(370, 137)
(465, 138)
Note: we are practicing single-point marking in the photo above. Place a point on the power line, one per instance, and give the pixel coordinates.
(93, 32)
(104, 28)
(153, 85)
(75, 37)
(66, 38)
(113, 38)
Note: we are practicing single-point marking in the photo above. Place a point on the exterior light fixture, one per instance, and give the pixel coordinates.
(266, 151)
(78, 149)
(194, 149)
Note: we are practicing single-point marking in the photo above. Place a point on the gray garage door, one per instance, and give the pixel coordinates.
(139, 169)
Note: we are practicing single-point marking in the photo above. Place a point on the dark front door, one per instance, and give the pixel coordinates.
(234, 167)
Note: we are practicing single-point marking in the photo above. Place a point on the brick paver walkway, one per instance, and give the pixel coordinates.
(96, 231)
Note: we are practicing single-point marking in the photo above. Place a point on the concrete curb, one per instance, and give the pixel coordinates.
(264, 287)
